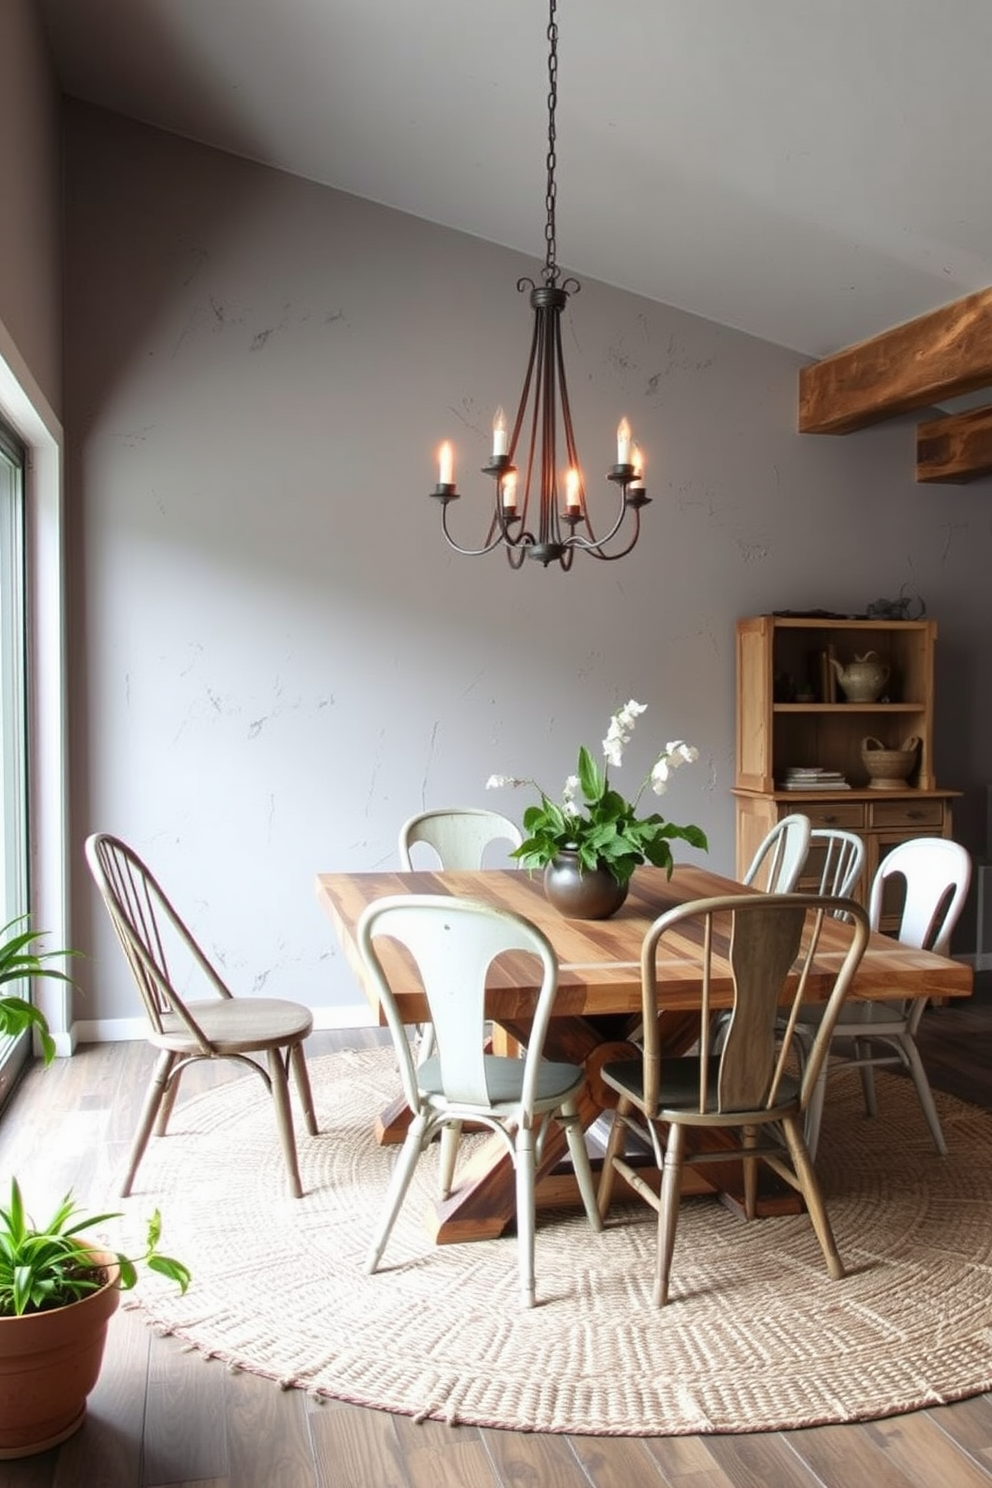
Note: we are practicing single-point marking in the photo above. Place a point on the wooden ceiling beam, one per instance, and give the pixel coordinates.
(940, 355)
(955, 449)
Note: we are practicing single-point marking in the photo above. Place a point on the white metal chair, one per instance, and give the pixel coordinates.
(453, 943)
(162, 956)
(936, 873)
(459, 835)
(840, 858)
(763, 945)
(777, 864)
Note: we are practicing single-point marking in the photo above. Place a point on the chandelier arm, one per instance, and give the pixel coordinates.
(566, 415)
(536, 368)
(595, 549)
(468, 552)
(550, 533)
(525, 395)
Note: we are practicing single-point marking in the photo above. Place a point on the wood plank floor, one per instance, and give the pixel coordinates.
(163, 1418)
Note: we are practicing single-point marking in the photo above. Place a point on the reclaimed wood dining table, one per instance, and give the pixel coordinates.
(597, 1009)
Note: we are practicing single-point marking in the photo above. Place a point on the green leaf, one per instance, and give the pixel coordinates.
(173, 1269)
(591, 777)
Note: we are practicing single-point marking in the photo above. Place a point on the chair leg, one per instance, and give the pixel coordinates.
(862, 1051)
(908, 1046)
(451, 1134)
(614, 1142)
(168, 1098)
(301, 1075)
(810, 1188)
(576, 1139)
(750, 1164)
(523, 1159)
(814, 1113)
(158, 1089)
(284, 1119)
(399, 1182)
(425, 1037)
(668, 1210)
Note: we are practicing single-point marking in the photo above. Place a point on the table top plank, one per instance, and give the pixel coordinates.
(599, 960)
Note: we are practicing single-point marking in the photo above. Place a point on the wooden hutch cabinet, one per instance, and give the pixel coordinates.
(792, 715)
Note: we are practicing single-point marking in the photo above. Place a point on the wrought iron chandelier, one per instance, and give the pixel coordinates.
(530, 519)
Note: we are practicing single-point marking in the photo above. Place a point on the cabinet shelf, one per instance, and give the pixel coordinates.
(848, 708)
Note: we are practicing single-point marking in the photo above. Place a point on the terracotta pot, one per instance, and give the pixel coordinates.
(593, 894)
(49, 1363)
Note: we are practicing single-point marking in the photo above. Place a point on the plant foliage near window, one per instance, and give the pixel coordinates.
(20, 961)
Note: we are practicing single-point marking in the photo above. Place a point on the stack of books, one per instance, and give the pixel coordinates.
(812, 777)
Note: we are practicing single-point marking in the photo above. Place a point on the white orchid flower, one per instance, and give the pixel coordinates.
(613, 749)
(659, 775)
(497, 782)
(630, 713)
(681, 753)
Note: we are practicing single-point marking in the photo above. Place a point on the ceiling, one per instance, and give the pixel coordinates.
(811, 173)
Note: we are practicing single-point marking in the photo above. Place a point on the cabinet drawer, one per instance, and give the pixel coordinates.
(847, 814)
(906, 813)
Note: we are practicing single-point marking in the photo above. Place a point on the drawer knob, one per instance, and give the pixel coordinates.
(832, 817)
(914, 815)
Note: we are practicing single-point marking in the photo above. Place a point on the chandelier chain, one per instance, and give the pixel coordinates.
(550, 266)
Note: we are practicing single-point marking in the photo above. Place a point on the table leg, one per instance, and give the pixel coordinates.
(484, 1202)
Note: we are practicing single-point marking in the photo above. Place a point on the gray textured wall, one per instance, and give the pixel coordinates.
(30, 192)
(275, 657)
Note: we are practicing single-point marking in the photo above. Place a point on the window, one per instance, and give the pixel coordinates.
(13, 714)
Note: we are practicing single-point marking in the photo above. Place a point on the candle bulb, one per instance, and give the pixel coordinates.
(637, 460)
(509, 491)
(573, 503)
(499, 434)
(446, 464)
(623, 442)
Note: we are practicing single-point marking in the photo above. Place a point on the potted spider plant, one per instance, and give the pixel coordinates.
(58, 1290)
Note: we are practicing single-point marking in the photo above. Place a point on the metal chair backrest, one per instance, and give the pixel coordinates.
(937, 874)
(760, 952)
(453, 943)
(777, 864)
(459, 835)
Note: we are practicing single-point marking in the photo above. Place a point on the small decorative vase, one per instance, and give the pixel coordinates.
(590, 894)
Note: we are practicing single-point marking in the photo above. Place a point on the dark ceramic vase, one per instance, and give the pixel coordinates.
(592, 894)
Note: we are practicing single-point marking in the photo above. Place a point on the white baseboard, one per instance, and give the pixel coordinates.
(120, 1030)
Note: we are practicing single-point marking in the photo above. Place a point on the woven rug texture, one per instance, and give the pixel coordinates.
(756, 1336)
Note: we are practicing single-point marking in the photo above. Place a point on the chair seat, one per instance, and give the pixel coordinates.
(505, 1078)
(860, 1015)
(679, 1088)
(237, 1025)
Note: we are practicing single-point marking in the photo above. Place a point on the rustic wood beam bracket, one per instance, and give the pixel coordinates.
(943, 354)
(955, 449)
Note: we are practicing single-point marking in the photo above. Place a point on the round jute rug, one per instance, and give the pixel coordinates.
(756, 1336)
